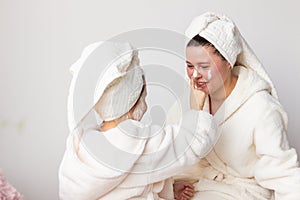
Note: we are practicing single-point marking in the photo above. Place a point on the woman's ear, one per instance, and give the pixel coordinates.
(130, 112)
(229, 65)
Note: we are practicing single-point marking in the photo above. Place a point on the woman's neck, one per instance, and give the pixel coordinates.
(217, 99)
(106, 125)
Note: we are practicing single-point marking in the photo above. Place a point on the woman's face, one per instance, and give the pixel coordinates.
(208, 70)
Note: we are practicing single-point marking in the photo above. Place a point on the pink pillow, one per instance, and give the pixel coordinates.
(7, 191)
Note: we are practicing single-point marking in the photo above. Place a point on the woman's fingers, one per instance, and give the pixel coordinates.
(183, 190)
(188, 192)
(189, 185)
(185, 196)
(197, 97)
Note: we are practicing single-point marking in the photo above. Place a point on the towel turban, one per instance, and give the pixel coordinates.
(120, 86)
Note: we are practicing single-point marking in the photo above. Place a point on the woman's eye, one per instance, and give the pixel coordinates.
(190, 66)
(204, 67)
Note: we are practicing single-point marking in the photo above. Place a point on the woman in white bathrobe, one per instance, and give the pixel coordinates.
(252, 158)
(122, 158)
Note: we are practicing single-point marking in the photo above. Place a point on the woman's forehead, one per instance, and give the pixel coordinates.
(199, 54)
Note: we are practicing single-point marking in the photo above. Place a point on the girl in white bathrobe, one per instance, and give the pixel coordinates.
(122, 158)
(252, 158)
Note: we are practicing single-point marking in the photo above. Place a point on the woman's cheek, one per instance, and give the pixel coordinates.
(189, 72)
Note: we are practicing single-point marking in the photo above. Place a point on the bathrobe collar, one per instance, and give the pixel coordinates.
(248, 84)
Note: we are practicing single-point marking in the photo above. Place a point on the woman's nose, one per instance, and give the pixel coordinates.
(196, 73)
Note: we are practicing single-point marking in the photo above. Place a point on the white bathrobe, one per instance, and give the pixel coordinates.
(82, 176)
(252, 158)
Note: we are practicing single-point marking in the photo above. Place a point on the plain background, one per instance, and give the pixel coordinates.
(40, 39)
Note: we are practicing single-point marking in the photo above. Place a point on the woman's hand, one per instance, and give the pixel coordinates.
(183, 190)
(197, 97)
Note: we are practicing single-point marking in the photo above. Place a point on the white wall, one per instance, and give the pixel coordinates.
(39, 39)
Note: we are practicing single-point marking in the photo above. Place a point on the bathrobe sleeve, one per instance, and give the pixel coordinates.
(277, 168)
(175, 148)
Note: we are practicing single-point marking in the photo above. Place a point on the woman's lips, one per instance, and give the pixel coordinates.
(200, 85)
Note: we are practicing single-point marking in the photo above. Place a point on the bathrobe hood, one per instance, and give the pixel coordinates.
(249, 83)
